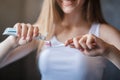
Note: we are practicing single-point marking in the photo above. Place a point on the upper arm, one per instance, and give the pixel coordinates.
(19, 52)
(110, 35)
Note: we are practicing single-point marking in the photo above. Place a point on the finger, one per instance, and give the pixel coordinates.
(72, 45)
(76, 43)
(91, 41)
(82, 42)
(18, 27)
(36, 31)
(68, 42)
(30, 32)
(24, 31)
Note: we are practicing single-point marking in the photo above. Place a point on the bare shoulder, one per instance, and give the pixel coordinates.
(110, 34)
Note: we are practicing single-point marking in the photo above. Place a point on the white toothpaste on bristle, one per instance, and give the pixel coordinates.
(47, 44)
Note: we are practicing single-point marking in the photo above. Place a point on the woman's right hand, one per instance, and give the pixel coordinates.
(25, 33)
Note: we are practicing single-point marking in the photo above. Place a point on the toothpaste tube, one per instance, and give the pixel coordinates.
(10, 31)
(13, 32)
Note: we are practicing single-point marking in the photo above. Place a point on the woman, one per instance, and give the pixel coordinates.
(76, 23)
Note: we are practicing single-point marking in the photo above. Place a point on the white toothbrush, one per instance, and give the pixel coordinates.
(59, 45)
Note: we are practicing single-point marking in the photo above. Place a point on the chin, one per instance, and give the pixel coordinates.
(68, 11)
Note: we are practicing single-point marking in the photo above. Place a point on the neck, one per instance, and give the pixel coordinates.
(73, 19)
(72, 23)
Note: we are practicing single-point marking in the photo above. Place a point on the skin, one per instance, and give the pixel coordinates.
(77, 37)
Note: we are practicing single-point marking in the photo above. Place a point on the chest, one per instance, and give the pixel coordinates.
(65, 35)
(67, 60)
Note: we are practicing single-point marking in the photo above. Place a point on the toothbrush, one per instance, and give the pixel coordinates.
(59, 45)
(49, 44)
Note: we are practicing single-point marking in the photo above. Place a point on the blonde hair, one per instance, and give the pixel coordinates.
(48, 18)
(51, 14)
(92, 11)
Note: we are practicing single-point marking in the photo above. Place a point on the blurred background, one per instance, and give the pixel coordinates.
(27, 11)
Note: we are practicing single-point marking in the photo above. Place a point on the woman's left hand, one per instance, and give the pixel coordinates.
(90, 45)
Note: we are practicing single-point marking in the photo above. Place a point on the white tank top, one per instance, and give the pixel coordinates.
(65, 63)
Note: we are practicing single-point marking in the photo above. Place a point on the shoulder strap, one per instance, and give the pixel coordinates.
(95, 29)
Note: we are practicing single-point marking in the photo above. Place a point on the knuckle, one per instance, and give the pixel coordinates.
(88, 43)
(89, 35)
(78, 46)
(80, 41)
(74, 39)
(36, 30)
(28, 24)
(17, 25)
(85, 35)
(30, 27)
(22, 24)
